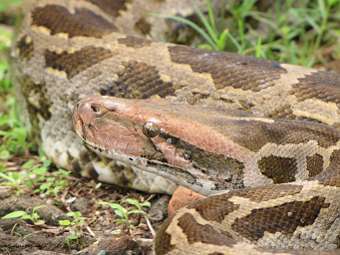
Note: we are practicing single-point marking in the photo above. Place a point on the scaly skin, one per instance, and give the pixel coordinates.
(208, 150)
(204, 149)
(66, 50)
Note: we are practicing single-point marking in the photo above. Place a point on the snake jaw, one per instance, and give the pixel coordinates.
(146, 134)
(66, 49)
(106, 134)
(86, 118)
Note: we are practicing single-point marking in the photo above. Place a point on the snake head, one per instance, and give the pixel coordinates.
(102, 125)
(169, 139)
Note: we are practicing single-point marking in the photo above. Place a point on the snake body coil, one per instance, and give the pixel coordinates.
(217, 121)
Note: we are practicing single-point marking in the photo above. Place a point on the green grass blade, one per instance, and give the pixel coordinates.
(206, 24)
(195, 27)
(211, 16)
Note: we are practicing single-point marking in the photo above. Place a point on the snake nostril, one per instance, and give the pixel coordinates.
(95, 108)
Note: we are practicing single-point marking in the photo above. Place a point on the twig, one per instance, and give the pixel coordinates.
(153, 232)
(90, 231)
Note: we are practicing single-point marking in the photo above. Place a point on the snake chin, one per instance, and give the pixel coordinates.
(283, 172)
(158, 172)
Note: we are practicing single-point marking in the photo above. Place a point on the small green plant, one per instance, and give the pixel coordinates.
(12, 133)
(42, 181)
(289, 31)
(34, 174)
(215, 39)
(74, 225)
(10, 179)
(219, 37)
(33, 216)
(4, 5)
(36, 177)
(134, 207)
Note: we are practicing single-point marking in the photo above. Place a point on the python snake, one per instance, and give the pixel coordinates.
(265, 133)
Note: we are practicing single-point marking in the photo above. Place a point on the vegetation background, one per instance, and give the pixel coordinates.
(305, 32)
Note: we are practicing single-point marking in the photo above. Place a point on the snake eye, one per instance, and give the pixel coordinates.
(98, 109)
(150, 129)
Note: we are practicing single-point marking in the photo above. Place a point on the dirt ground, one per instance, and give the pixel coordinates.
(99, 235)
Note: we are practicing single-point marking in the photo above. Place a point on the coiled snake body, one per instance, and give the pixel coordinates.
(267, 133)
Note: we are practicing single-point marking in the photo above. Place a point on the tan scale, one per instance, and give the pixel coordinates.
(215, 119)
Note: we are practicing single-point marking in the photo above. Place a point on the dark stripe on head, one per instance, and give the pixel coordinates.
(226, 172)
(82, 23)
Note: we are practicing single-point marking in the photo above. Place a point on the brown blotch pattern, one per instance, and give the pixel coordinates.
(228, 69)
(82, 23)
(76, 62)
(279, 169)
(214, 208)
(302, 131)
(259, 194)
(255, 134)
(138, 80)
(110, 7)
(284, 112)
(25, 48)
(323, 85)
(314, 165)
(287, 217)
(335, 181)
(163, 240)
(143, 26)
(198, 233)
(226, 172)
(92, 173)
(331, 176)
(40, 109)
(134, 42)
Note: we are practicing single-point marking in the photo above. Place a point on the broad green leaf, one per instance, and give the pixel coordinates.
(4, 154)
(136, 212)
(64, 223)
(14, 215)
(40, 170)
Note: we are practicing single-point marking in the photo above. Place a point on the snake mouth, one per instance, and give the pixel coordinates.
(149, 139)
(188, 177)
(137, 151)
